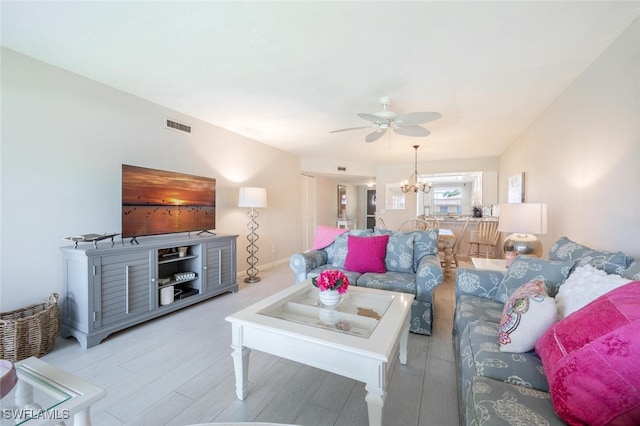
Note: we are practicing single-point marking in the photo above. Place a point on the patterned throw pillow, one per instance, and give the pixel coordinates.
(611, 263)
(633, 271)
(528, 313)
(399, 256)
(527, 268)
(425, 244)
(366, 254)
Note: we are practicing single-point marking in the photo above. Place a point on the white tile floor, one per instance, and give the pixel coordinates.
(177, 370)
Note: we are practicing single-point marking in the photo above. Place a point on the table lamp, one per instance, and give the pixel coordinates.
(253, 198)
(523, 220)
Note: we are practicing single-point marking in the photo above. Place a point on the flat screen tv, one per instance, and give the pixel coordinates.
(161, 202)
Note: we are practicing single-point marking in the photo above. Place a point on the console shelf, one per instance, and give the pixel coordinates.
(174, 258)
(174, 282)
(108, 289)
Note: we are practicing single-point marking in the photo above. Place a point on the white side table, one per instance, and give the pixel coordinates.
(489, 264)
(46, 395)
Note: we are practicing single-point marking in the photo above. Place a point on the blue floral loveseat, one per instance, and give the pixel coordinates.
(411, 265)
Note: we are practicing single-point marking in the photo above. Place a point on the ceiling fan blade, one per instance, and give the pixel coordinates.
(416, 131)
(413, 118)
(374, 136)
(371, 117)
(350, 128)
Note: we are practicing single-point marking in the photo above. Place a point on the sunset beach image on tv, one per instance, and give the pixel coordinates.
(162, 202)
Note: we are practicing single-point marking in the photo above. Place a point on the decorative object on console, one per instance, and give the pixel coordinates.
(253, 198)
(168, 294)
(331, 284)
(523, 221)
(88, 238)
(415, 186)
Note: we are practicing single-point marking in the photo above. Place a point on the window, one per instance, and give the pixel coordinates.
(447, 199)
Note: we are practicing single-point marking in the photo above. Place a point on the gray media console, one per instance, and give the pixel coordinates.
(109, 288)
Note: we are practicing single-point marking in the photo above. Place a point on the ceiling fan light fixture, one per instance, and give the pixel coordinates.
(414, 186)
(404, 124)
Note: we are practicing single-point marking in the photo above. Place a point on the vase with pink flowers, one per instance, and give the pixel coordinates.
(331, 284)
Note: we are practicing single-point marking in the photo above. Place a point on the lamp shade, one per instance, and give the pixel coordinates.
(523, 218)
(252, 197)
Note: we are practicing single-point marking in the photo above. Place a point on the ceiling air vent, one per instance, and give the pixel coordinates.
(178, 126)
(342, 169)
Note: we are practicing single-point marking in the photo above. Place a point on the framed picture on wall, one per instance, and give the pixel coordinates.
(342, 202)
(516, 188)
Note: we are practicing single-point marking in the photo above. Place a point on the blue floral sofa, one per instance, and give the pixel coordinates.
(502, 388)
(411, 265)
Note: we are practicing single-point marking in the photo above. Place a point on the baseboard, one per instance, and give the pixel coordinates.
(262, 268)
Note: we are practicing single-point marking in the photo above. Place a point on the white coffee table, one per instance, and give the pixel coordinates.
(291, 324)
(489, 264)
(46, 395)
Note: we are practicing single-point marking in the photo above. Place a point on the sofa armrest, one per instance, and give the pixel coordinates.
(302, 263)
(477, 282)
(428, 276)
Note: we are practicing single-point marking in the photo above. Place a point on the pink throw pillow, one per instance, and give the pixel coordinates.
(325, 235)
(591, 360)
(366, 254)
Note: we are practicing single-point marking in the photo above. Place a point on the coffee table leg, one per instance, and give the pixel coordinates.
(404, 342)
(240, 356)
(82, 418)
(375, 402)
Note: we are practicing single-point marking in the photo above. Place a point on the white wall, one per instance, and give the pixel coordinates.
(582, 156)
(326, 200)
(64, 139)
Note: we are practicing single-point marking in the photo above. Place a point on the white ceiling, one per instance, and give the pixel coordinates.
(287, 73)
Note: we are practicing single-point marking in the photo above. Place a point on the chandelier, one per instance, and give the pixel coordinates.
(414, 186)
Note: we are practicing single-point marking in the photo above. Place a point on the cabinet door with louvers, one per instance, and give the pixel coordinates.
(122, 287)
(220, 266)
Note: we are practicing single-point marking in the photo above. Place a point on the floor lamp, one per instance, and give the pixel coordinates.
(253, 198)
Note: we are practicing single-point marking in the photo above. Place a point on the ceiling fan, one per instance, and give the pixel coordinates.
(404, 124)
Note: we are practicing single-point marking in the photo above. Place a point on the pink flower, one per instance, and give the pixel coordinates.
(331, 279)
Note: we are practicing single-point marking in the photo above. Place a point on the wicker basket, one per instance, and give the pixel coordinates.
(29, 331)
